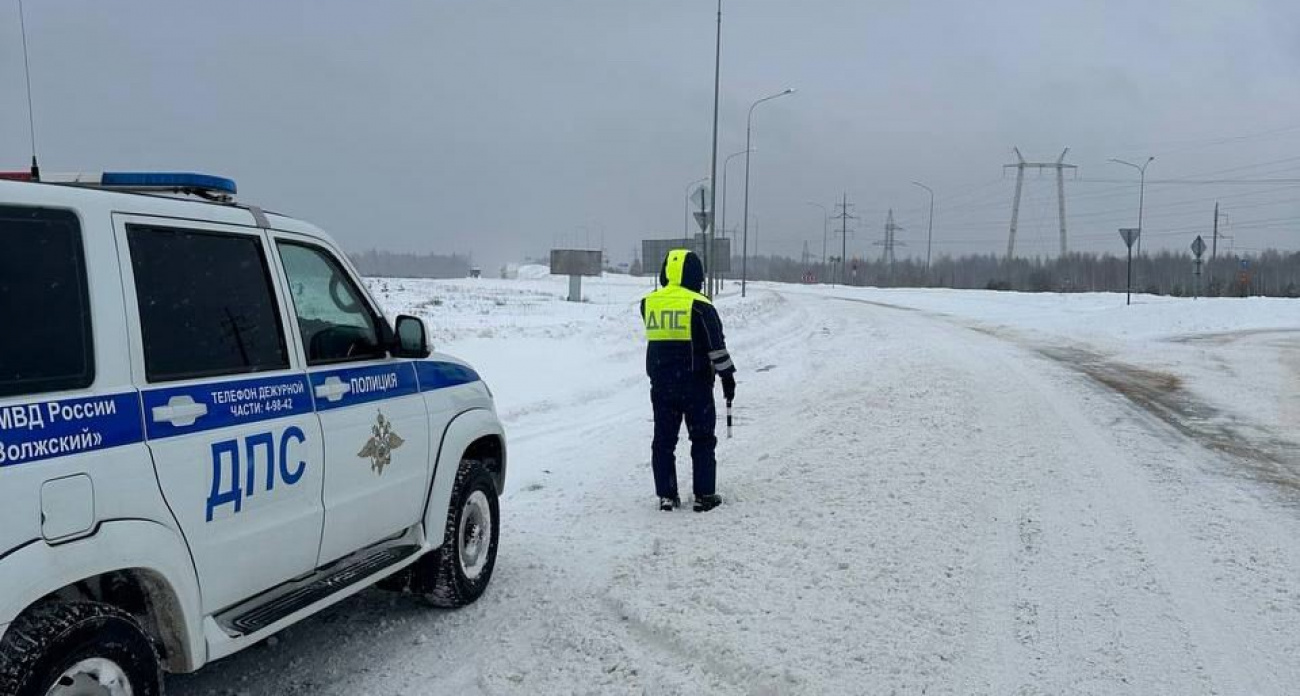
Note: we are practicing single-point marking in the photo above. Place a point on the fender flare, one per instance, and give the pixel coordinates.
(461, 432)
(35, 570)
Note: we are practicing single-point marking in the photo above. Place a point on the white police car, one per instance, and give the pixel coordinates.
(208, 432)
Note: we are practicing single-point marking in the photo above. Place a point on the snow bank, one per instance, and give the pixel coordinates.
(533, 272)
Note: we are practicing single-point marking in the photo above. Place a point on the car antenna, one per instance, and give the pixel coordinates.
(27, 71)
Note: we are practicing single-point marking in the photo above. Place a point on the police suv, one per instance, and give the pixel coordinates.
(209, 431)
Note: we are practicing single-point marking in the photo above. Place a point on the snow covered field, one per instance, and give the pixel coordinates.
(928, 492)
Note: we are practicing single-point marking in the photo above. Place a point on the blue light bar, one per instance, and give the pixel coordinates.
(167, 180)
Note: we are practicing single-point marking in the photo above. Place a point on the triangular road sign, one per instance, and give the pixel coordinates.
(1129, 235)
(703, 219)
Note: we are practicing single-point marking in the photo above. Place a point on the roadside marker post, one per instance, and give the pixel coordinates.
(1129, 235)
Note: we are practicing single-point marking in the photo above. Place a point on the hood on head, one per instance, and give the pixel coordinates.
(682, 267)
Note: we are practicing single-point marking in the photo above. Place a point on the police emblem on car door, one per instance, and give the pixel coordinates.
(379, 448)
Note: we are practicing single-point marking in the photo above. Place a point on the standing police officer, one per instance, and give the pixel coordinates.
(686, 348)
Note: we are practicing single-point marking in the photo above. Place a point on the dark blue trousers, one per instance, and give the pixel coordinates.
(692, 401)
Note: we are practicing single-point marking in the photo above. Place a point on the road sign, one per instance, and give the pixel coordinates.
(700, 197)
(1198, 247)
(1129, 235)
(579, 262)
(703, 219)
(576, 263)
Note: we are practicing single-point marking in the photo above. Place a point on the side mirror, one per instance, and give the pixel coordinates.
(410, 340)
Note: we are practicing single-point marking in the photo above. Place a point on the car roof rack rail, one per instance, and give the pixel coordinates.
(207, 186)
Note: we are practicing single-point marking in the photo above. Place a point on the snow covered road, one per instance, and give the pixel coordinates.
(920, 499)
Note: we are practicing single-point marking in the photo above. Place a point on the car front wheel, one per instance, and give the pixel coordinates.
(459, 572)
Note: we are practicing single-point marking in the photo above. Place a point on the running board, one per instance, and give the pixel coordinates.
(257, 614)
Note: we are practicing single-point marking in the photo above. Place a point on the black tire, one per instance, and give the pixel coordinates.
(441, 577)
(49, 640)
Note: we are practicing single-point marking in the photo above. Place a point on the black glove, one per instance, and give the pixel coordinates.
(729, 385)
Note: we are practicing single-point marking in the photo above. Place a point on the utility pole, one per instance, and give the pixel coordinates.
(844, 218)
(1021, 165)
(1214, 245)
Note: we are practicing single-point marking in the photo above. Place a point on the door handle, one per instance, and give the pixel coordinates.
(180, 411)
(332, 389)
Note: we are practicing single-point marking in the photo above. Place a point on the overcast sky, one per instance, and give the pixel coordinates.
(501, 128)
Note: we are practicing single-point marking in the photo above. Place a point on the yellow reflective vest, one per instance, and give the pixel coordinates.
(667, 311)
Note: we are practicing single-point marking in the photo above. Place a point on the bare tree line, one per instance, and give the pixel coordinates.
(410, 265)
(1270, 273)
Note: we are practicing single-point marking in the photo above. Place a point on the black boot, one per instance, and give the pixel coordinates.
(669, 504)
(704, 503)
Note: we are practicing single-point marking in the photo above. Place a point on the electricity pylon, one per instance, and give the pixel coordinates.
(844, 218)
(890, 242)
(1021, 165)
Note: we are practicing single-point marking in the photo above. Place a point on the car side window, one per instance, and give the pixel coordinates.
(44, 303)
(336, 323)
(207, 306)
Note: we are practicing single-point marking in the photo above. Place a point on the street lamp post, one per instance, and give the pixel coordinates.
(686, 217)
(929, 234)
(1142, 185)
(727, 161)
(826, 216)
(744, 242)
(711, 230)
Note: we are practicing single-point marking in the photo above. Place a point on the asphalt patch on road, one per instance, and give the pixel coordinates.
(1264, 456)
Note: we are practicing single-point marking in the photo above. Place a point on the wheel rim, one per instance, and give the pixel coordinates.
(475, 535)
(94, 676)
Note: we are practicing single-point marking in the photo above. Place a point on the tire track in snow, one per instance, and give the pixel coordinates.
(1152, 534)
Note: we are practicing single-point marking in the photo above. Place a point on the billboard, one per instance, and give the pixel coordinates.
(575, 262)
(654, 251)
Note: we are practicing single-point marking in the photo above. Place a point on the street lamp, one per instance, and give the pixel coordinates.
(1141, 192)
(727, 161)
(929, 234)
(686, 217)
(826, 215)
(723, 220)
(744, 243)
